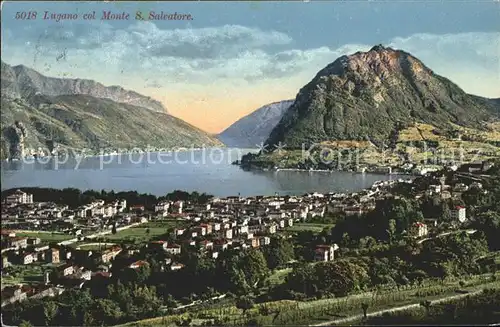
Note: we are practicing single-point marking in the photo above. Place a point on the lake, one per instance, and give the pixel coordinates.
(204, 170)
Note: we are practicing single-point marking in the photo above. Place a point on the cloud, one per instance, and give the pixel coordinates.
(238, 54)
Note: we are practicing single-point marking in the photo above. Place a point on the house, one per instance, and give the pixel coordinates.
(208, 228)
(138, 264)
(162, 207)
(159, 245)
(221, 245)
(176, 266)
(216, 226)
(228, 233)
(271, 229)
(19, 197)
(459, 214)
(264, 240)
(13, 294)
(27, 258)
(174, 248)
(419, 229)
(5, 261)
(8, 233)
(206, 244)
(137, 208)
(177, 207)
(179, 231)
(110, 254)
(52, 255)
(18, 242)
(243, 229)
(67, 270)
(34, 241)
(254, 242)
(325, 252)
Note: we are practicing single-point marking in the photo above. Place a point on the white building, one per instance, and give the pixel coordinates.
(459, 214)
(19, 197)
(419, 229)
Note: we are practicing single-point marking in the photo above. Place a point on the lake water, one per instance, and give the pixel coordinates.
(207, 170)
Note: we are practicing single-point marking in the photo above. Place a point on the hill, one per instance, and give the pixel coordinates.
(31, 119)
(253, 129)
(369, 95)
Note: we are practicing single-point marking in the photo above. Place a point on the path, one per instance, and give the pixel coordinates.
(74, 240)
(401, 308)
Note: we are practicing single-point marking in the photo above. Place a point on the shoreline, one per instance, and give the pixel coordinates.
(333, 171)
(112, 154)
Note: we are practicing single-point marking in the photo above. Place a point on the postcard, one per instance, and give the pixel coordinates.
(250, 163)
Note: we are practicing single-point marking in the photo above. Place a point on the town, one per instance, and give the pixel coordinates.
(55, 243)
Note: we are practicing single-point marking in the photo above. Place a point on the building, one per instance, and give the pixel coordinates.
(53, 256)
(110, 254)
(419, 229)
(138, 264)
(325, 252)
(173, 249)
(459, 214)
(18, 242)
(19, 197)
(27, 258)
(162, 206)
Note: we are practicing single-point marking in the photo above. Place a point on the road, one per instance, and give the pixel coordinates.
(401, 308)
(468, 231)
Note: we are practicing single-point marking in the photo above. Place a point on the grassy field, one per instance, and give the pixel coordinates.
(25, 274)
(46, 237)
(144, 232)
(278, 276)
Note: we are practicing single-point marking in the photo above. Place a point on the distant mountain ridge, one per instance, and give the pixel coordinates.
(254, 128)
(22, 82)
(367, 95)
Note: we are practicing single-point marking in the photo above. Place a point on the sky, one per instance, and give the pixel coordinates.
(232, 58)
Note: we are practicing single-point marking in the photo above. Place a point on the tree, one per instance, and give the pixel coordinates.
(254, 267)
(50, 309)
(25, 323)
(489, 223)
(279, 252)
(364, 307)
(113, 230)
(391, 230)
(426, 304)
(106, 312)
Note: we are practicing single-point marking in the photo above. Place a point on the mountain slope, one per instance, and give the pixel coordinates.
(85, 122)
(21, 82)
(34, 114)
(254, 128)
(367, 95)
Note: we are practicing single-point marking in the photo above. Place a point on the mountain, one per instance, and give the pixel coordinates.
(79, 121)
(369, 95)
(21, 82)
(254, 128)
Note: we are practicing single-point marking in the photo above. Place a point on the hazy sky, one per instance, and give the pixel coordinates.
(235, 57)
